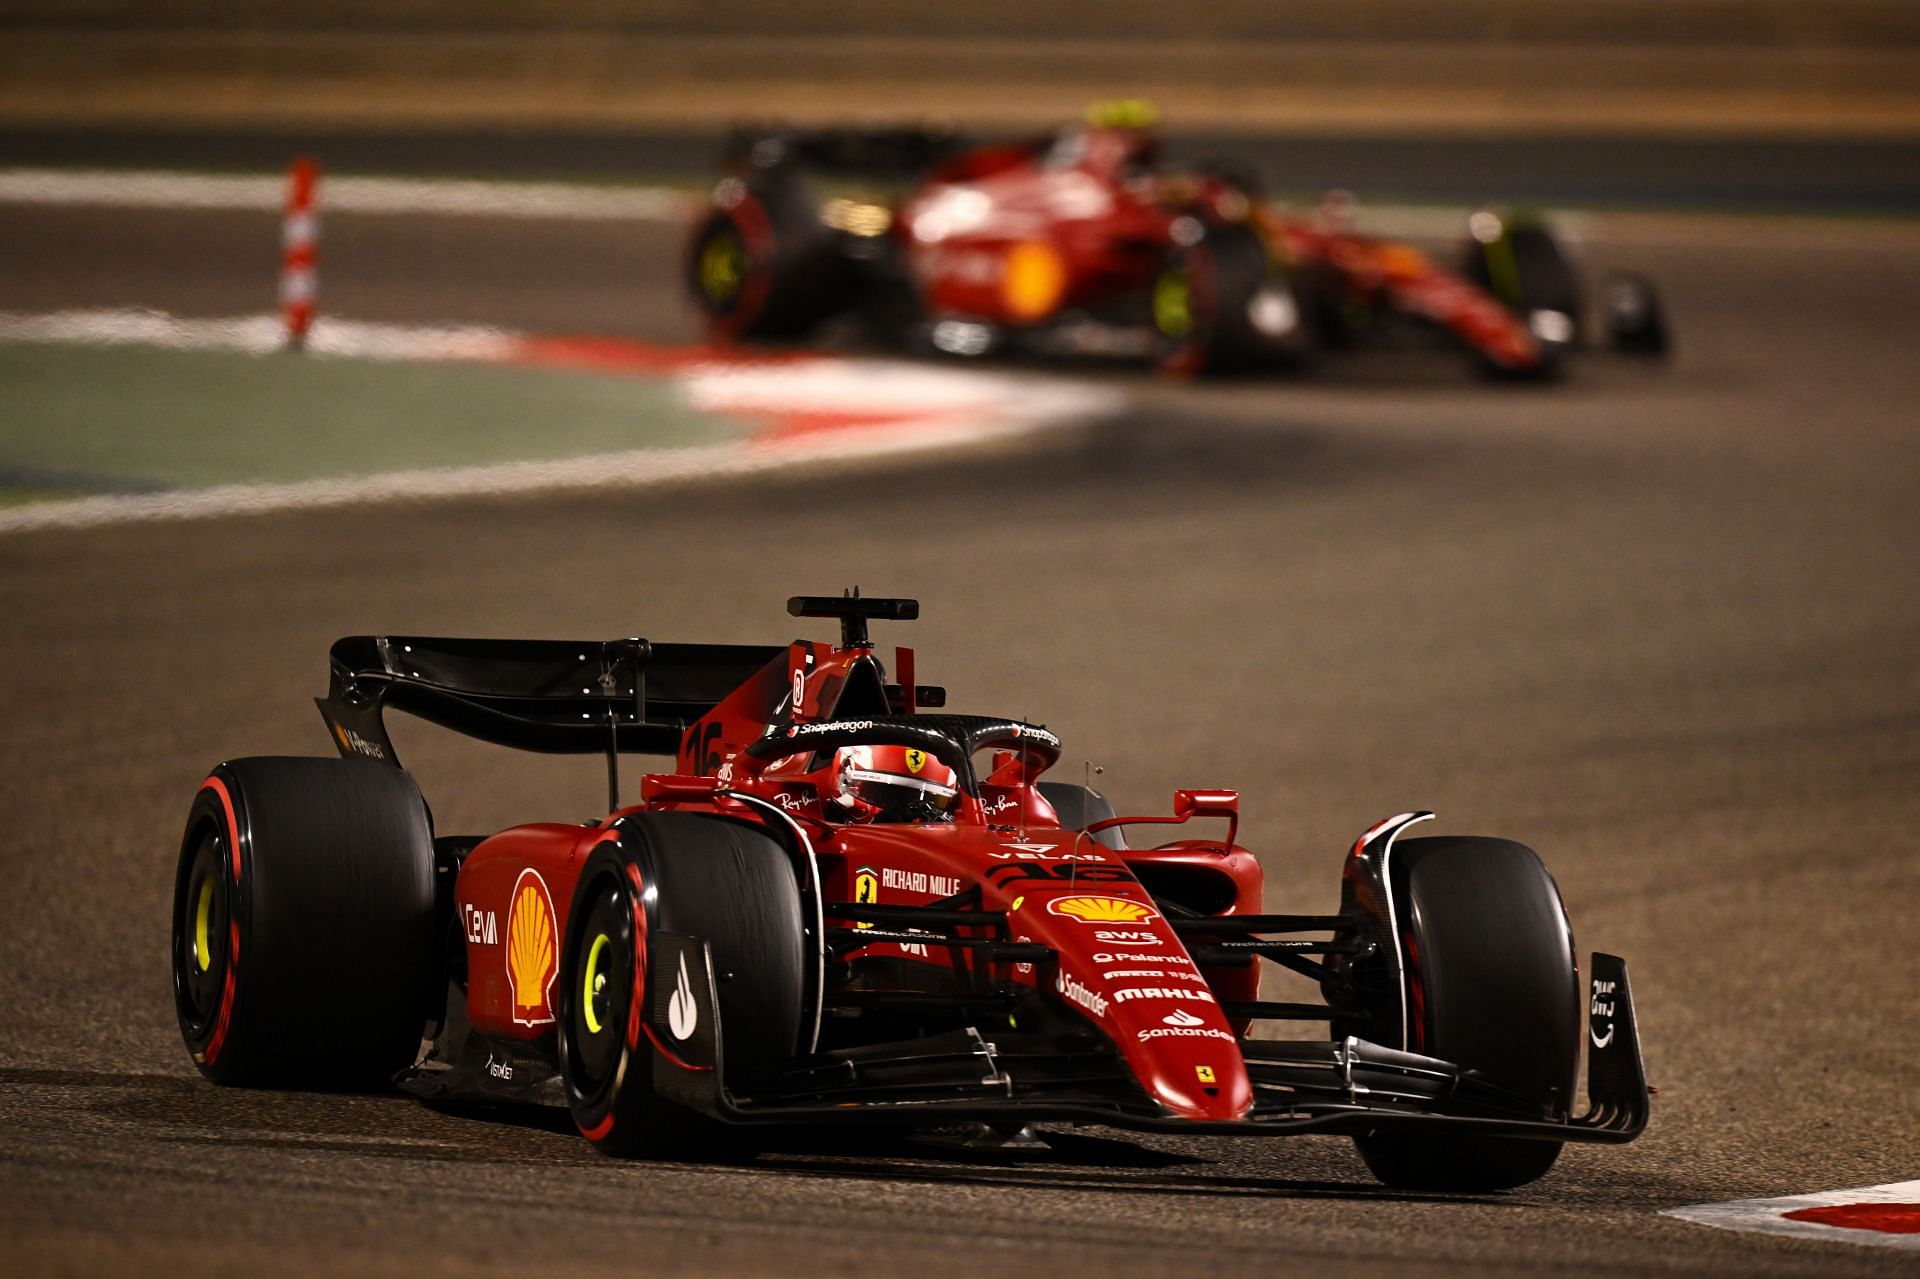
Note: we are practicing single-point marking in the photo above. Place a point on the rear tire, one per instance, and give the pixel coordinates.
(761, 265)
(305, 949)
(705, 877)
(1492, 985)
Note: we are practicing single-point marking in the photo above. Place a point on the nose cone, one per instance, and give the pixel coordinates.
(1201, 1079)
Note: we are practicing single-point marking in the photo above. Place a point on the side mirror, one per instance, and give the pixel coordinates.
(1206, 803)
(1210, 803)
(1186, 804)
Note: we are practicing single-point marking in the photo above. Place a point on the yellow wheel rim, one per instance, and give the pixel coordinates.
(723, 265)
(589, 987)
(1173, 305)
(202, 918)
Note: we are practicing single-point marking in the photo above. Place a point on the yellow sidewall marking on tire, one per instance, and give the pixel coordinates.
(202, 919)
(722, 265)
(1173, 305)
(586, 987)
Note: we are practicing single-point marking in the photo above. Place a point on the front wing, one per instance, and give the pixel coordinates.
(1346, 1086)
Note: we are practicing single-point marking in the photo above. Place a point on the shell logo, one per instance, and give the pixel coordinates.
(531, 960)
(1101, 910)
(1033, 280)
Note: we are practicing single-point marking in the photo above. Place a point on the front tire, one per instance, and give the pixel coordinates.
(1491, 985)
(719, 880)
(1219, 306)
(1527, 270)
(1635, 319)
(304, 949)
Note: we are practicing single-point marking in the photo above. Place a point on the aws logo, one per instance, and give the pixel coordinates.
(1101, 910)
(531, 959)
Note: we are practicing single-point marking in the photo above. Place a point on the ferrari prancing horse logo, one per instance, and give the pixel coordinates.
(916, 760)
(866, 892)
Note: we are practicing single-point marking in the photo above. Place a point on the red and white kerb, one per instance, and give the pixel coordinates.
(1880, 1216)
(300, 251)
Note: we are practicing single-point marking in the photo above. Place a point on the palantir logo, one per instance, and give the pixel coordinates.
(683, 1015)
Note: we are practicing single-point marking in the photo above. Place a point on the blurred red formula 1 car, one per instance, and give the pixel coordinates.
(1083, 243)
(840, 908)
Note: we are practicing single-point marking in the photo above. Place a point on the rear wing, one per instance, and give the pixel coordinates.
(901, 152)
(557, 697)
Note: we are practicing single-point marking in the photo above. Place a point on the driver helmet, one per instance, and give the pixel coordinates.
(894, 784)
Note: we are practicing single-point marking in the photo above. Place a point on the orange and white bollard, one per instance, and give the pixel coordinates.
(300, 252)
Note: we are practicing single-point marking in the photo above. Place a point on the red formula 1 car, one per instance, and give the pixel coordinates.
(841, 907)
(1084, 243)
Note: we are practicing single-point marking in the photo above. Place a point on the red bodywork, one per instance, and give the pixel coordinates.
(1120, 966)
(1019, 237)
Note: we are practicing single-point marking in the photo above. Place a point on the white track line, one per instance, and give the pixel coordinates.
(1768, 1216)
(920, 409)
(636, 469)
(258, 334)
(267, 193)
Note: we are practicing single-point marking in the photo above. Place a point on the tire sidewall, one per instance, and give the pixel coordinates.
(207, 1042)
(598, 1109)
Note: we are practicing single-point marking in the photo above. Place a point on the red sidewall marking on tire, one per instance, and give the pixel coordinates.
(211, 1053)
(1885, 1216)
(637, 1001)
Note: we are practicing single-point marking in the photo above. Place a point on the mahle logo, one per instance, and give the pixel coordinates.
(1101, 910)
(530, 950)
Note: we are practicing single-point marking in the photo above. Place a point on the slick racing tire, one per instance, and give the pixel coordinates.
(1491, 985)
(721, 881)
(1526, 269)
(1635, 319)
(1079, 807)
(305, 949)
(761, 265)
(1219, 306)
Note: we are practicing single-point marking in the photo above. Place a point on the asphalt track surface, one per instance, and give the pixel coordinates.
(1659, 624)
